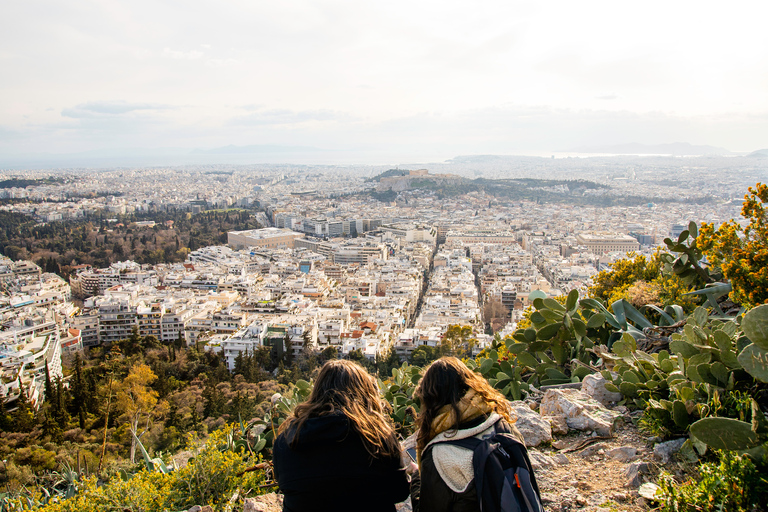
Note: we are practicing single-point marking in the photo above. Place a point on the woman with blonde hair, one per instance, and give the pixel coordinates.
(338, 450)
(458, 408)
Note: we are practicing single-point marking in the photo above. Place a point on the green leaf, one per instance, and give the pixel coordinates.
(628, 389)
(596, 320)
(720, 372)
(700, 316)
(551, 315)
(610, 386)
(580, 327)
(755, 326)
(506, 368)
(630, 376)
(723, 341)
(755, 361)
(537, 318)
(724, 433)
(530, 334)
(693, 229)
(260, 444)
(554, 373)
(683, 347)
(572, 300)
(554, 305)
(486, 366)
(667, 366)
(548, 331)
(621, 348)
(516, 348)
(680, 414)
(703, 357)
(527, 359)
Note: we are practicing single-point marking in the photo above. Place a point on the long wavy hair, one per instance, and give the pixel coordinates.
(444, 383)
(345, 387)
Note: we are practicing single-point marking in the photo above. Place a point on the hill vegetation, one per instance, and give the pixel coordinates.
(97, 241)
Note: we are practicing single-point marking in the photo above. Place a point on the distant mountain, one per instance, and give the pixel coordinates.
(256, 148)
(760, 153)
(634, 148)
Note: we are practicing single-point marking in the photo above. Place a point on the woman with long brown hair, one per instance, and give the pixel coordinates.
(456, 404)
(338, 450)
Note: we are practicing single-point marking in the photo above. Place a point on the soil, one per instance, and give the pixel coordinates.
(591, 481)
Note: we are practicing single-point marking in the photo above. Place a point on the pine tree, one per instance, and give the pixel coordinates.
(23, 416)
(5, 421)
(48, 386)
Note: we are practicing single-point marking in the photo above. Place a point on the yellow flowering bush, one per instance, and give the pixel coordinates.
(742, 253)
(640, 281)
(209, 478)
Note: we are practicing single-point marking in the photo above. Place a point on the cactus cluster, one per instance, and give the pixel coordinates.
(707, 358)
(732, 434)
(398, 391)
(555, 349)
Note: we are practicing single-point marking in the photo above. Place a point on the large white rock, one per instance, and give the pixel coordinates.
(581, 412)
(534, 428)
(594, 386)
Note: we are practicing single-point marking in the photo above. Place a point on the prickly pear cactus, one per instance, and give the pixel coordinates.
(725, 433)
(754, 357)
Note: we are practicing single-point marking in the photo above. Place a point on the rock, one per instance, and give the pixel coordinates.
(648, 491)
(547, 498)
(561, 459)
(581, 412)
(558, 424)
(594, 386)
(619, 496)
(581, 500)
(622, 453)
(198, 508)
(540, 461)
(534, 429)
(664, 451)
(594, 449)
(634, 474)
(265, 503)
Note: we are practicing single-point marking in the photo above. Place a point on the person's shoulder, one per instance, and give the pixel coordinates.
(504, 427)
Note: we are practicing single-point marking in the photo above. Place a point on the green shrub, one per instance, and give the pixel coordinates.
(732, 484)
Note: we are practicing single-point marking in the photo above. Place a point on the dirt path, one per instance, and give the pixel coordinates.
(594, 478)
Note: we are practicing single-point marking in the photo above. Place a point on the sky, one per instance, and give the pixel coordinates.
(405, 78)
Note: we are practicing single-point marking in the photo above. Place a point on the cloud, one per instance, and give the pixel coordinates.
(175, 54)
(219, 63)
(206, 46)
(287, 117)
(607, 97)
(108, 108)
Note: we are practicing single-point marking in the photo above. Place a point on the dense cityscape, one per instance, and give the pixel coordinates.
(232, 282)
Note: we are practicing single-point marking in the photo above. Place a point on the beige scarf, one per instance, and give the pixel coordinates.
(471, 406)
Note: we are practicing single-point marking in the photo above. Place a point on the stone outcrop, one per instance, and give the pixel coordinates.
(534, 428)
(594, 386)
(581, 412)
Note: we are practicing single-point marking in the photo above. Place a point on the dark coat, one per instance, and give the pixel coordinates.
(329, 469)
(434, 493)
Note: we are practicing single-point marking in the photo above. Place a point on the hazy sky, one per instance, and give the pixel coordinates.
(442, 77)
